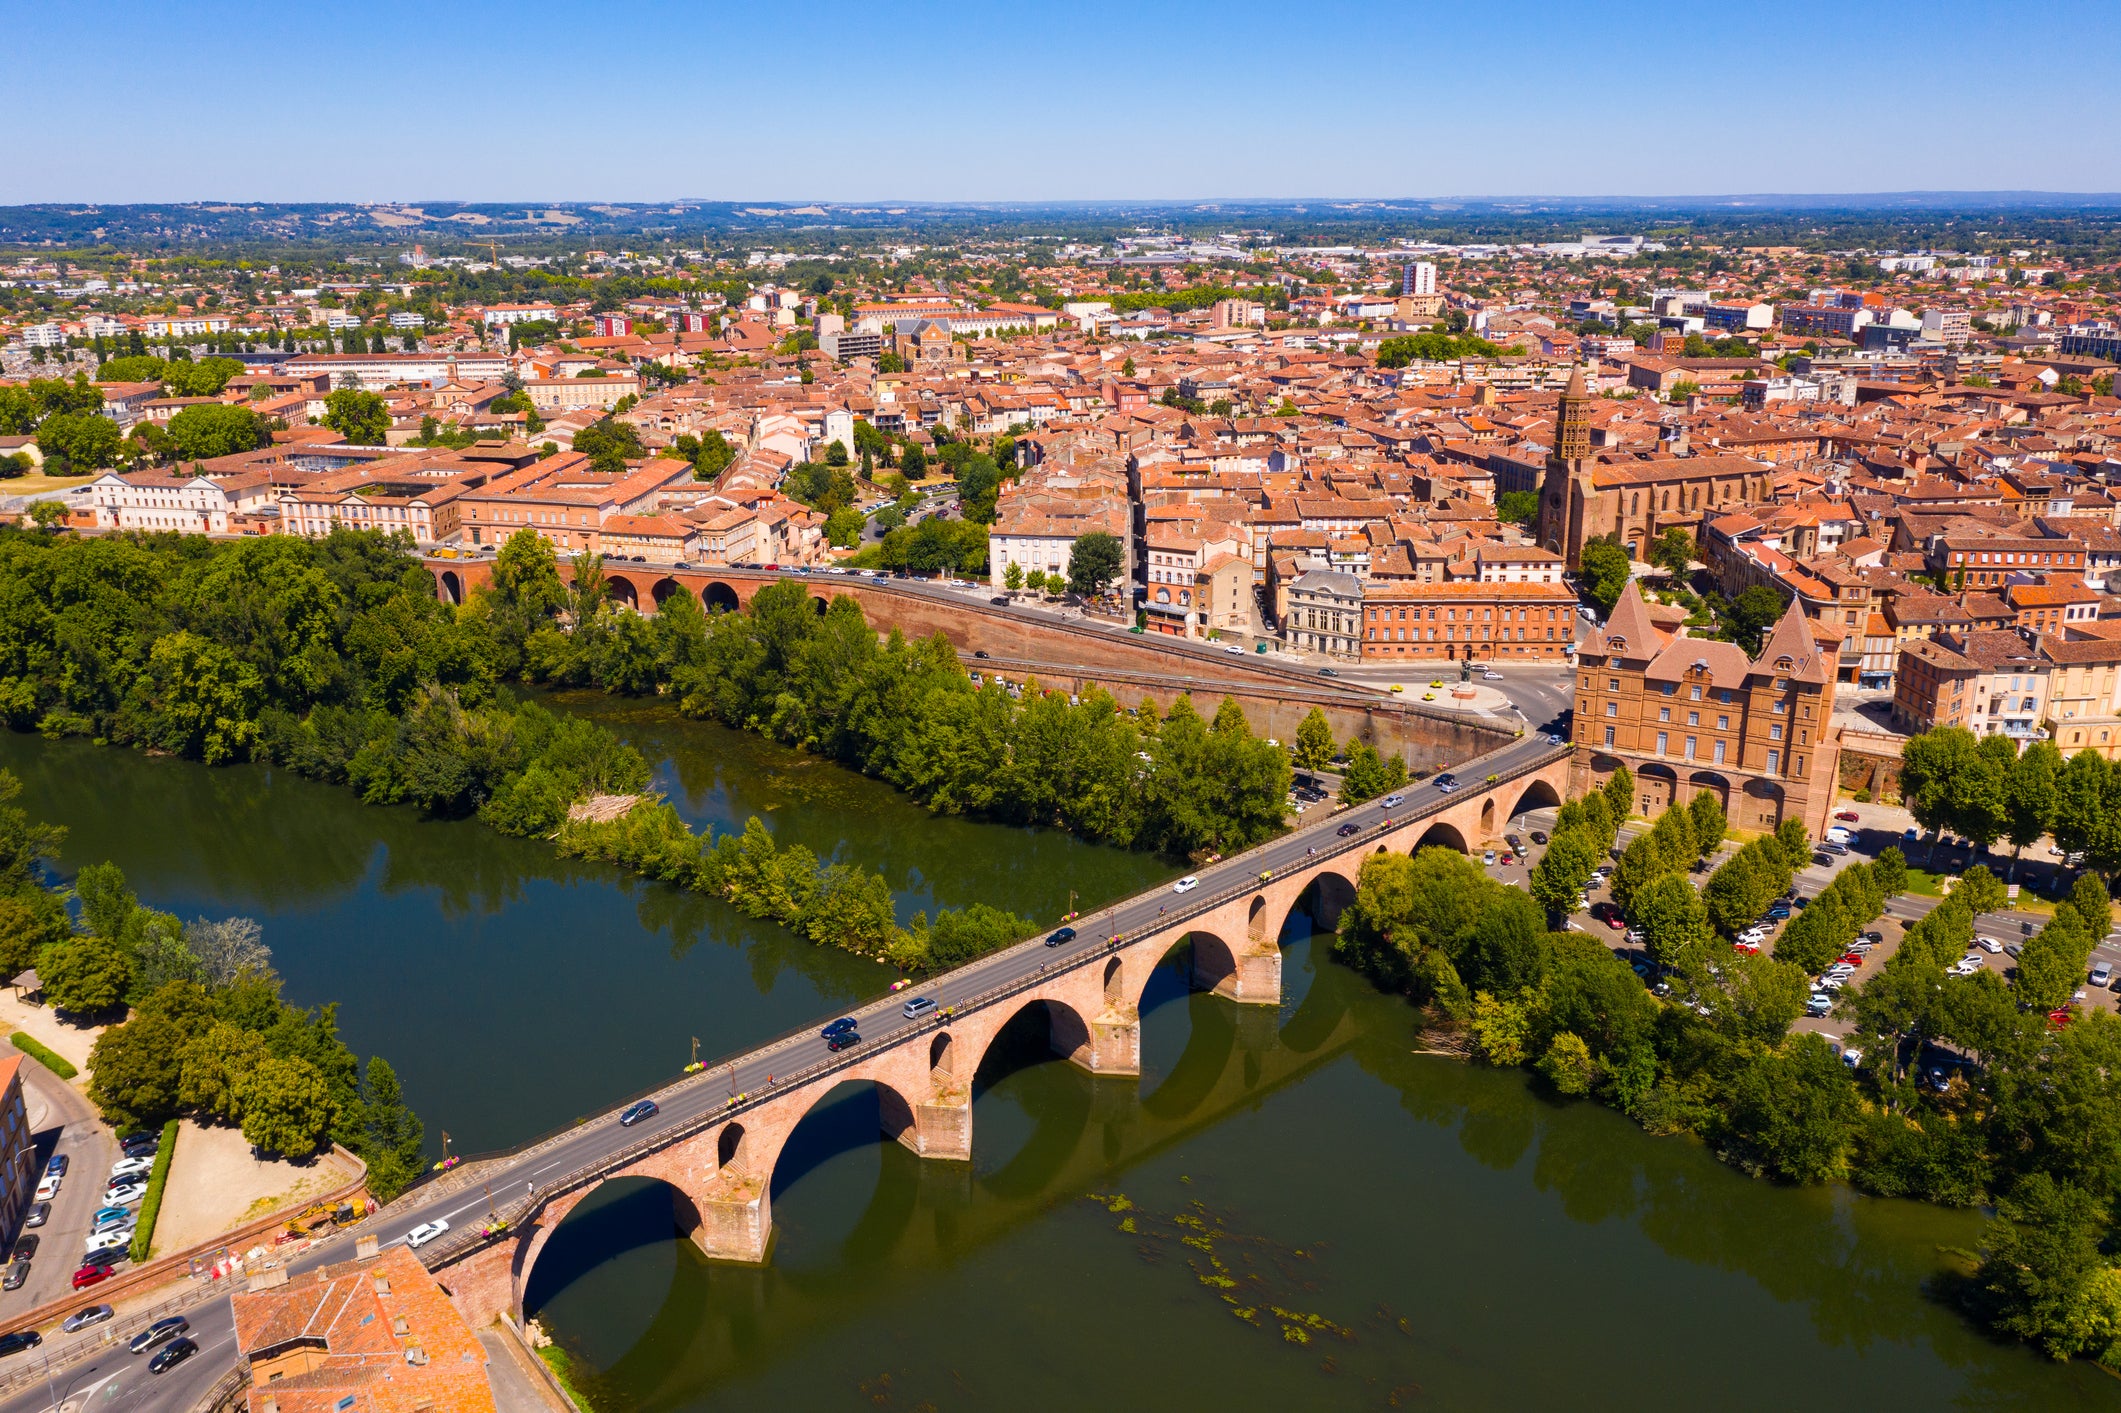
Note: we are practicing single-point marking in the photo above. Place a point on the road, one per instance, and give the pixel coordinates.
(584, 1147)
(62, 1121)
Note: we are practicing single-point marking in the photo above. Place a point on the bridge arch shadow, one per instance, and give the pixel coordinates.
(452, 587)
(1029, 1112)
(820, 1177)
(620, 590)
(1536, 795)
(1441, 836)
(617, 1217)
(718, 597)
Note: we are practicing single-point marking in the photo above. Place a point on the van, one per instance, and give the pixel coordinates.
(919, 1006)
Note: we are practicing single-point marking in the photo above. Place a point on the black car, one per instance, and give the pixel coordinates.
(1061, 935)
(1539, 836)
(844, 1023)
(844, 1040)
(636, 1111)
(26, 1247)
(1447, 778)
(999, 602)
(979, 652)
(1514, 842)
(109, 1256)
(20, 1340)
(1345, 830)
(161, 1331)
(17, 1274)
(140, 1145)
(176, 1353)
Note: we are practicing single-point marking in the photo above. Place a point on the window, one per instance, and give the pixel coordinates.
(1693, 718)
(1774, 762)
(1781, 708)
(1690, 748)
(1774, 733)
(1697, 692)
(1723, 723)
(1719, 753)
(1612, 684)
(1660, 742)
(1664, 713)
(1609, 735)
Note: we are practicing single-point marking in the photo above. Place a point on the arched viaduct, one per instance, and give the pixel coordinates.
(720, 1170)
(1069, 656)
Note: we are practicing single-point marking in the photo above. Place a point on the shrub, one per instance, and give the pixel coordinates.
(43, 1055)
(151, 1204)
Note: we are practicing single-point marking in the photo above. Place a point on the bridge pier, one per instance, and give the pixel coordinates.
(735, 1219)
(1115, 1043)
(1255, 981)
(942, 1127)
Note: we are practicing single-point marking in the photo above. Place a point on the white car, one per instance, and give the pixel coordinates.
(425, 1232)
(47, 1188)
(1186, 884)
(110, 1240)
(132, 1167)
(124, 1194)
(1989, 945)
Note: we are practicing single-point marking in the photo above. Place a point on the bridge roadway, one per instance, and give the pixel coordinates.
(519, 1184)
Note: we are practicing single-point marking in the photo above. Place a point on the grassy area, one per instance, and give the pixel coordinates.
(557, 1360)
(43, 1055)
(1921, 880)
(151, 1204)
(35, 484)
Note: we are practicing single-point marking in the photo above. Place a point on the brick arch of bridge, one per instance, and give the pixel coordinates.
(643, 586)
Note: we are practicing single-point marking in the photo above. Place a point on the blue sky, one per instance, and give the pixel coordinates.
(815, 99)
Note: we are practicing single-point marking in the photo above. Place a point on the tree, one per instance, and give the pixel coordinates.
(360, 416)
(216, 429)
(1751, 614)
(1619, 792)
(83, 440)
(1314, 741)
(1603, 570)
(1889, 873)
(1566, 867)
(1568, 1065)
(1792, 1113)
(228, 948)
(1794, 840)
(390, 1135)
(1368, 774)
(1673, 918)
(714, 456)
(1517, 507)
(1012, 576)
(1929, 766)
(287, 1107)
(134, 1070)
(213, 1067)
(610, 444)
(1674, 550)
(2043, 1271)
(2029, 796)
(85, 975)
(1710, 823)
(526, 576)
(1094, 562)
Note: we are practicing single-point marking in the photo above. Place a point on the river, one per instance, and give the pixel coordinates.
(1290, 1208)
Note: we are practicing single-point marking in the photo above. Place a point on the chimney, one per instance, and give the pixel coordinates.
(364, 1248)
(266, 1280)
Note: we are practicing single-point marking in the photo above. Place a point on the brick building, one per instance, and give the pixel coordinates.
(1690, 716)
(1467, 618)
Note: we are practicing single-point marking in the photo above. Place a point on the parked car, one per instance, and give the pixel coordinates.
(38, 1214)
(1515, 843)
(176, 1353)
(20, 1340)
(1186, 884)
(160, 1332)
(425, 1232)
(1487, 859)
(1848, 815)
(47, 1189)
(635, 1112)
(2102, 975)
(132, 1167)
(90, 1275)
(57, 1166)
(111, 1240)
(1989, 945)
(25, 1247)
(121, 1192)
(82, 1319)
(1820, 1003)
(106, 1215)
(1539, 836)
(17, 1276)
(999, 601)
(919, 1006)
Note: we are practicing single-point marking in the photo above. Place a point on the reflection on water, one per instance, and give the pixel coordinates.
(1437, 1233)
(1287, 1210)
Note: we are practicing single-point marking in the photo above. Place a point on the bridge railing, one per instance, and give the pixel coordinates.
(508, 1216)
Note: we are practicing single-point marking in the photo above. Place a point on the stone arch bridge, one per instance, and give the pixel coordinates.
(719, 1150)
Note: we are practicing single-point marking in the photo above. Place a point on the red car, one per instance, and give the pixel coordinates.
(2058, 1019)
(1848, 816)
(90, 1275)
(1854, 959)
(1507, 859)
(1746, 946)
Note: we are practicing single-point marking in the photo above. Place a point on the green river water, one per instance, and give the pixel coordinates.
(1289, 1209)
